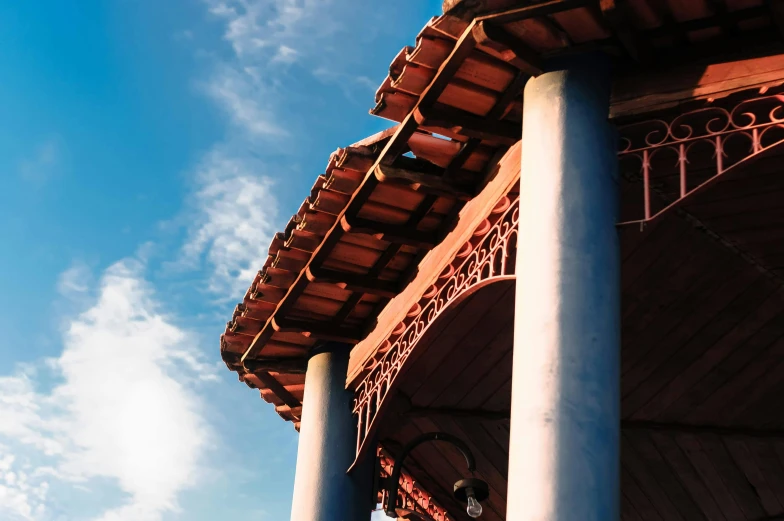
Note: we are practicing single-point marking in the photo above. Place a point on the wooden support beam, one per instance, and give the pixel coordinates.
(504, 45)
(271, 383)
(423, 182)
(473, 414)
(396, 234)
(617, 15)
(718, 430)
(277, 365)
(506, 16)
(354, 282)
(469, 124)
(320, 330)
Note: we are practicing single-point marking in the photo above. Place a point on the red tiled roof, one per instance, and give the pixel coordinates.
(382, 203)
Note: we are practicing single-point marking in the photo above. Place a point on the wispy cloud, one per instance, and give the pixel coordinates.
(234, 218)
(45, 161)
(118, 412)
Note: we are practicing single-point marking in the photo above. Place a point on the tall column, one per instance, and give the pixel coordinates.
(327, 443)
(564, 461)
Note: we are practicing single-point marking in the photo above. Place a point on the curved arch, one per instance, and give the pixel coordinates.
(487, 258)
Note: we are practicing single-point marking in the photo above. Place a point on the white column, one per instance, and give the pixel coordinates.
(327, 443)
(564, 461)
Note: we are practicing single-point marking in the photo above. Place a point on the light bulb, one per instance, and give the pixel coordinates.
(474, 509)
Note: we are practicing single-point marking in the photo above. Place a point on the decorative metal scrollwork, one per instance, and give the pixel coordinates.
(680, 157)
(488, 256)
(410, 496)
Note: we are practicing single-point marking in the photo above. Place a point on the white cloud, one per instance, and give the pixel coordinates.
(241, 94)
(45, 161)
(125, 409)
(75, 281)
(235, 218)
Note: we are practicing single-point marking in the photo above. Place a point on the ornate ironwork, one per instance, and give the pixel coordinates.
(410, 495)
(488, 256)
(678, 158)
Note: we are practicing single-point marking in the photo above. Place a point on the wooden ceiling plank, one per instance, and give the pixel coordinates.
(628, 512)
(764, 456)
(486, 364)
(646, 480)
(641, 442)
(681, 386)
(693, 312)
(687, 474)
(637, 495)
(677, 359)
(659, 322)
(453, 327)
(732, 377)
(733, 477)
(743, 458)
(467, 340)
(703, 464)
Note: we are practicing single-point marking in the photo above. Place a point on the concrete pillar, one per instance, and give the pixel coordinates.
(564, 461)
(327, 443)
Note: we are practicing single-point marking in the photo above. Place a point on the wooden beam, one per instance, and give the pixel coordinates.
(473, 414)
(396, 234)
(354, 282)
(423, 182)
(718, 430)
(271, 383)
(277, 365)
(533, 11)
(469, 124)
(617, 15)
(320, 330)
(654, 90)
(504, 45)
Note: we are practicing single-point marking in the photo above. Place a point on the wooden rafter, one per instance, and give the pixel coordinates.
(396, 145)
(617, 15)
(354, 281)
(422, 182)
(469, 124)
(500, 43)
(394, 233)
(277, 365)
(321, 330)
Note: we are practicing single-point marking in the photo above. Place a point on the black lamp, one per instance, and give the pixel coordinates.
(469, 490)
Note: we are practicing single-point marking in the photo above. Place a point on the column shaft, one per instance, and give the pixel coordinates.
(327, 442)
(564, 462)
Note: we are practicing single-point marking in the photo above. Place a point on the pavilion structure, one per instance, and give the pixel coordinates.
(555, 286)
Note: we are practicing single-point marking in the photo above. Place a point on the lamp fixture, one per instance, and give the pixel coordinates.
(469, 490)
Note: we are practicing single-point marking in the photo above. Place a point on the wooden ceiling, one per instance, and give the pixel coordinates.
(702, 367)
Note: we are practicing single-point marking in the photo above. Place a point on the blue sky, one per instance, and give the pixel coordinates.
(148, 151)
